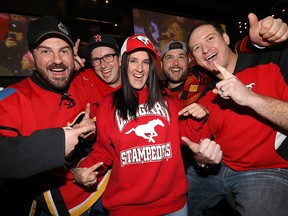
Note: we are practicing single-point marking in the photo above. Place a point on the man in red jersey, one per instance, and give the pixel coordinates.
(248, 119)
(54, 96)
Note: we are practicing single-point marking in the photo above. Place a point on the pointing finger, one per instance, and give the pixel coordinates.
(225, 73)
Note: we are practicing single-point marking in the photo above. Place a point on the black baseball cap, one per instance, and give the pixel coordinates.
(174, 44)
(47, 27)
(100, 40)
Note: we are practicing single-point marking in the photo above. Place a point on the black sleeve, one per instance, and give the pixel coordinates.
(21, 157)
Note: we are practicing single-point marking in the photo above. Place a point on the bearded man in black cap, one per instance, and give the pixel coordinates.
(54, 96)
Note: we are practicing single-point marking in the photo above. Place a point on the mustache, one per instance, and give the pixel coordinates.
(57, 66)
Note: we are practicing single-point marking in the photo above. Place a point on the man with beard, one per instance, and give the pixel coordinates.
(54, 96)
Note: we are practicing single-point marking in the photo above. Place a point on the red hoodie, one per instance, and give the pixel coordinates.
(147, 176)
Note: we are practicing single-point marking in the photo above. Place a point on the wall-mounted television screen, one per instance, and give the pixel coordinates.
(14, 57)
(160, 28)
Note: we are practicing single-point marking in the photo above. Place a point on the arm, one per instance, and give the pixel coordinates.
(21, 157)
(272, 109)
(266, 32)
(25, 156)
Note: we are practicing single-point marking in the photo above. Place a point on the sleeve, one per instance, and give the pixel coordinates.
(244, 45)
(188, 126)
(103, 150)
(25, 156)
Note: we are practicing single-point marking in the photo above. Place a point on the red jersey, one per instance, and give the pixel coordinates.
(147, 176)
(248, 141)
(26, 107)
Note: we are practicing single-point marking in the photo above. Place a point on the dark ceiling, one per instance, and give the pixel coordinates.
(105, 15)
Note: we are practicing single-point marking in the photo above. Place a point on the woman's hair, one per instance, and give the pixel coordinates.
(126, 98)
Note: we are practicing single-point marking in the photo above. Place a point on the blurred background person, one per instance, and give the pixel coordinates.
(27, 64)
(13, 48)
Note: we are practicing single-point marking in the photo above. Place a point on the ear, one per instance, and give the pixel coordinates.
(30, 54)
(120, 59)
(226, 38)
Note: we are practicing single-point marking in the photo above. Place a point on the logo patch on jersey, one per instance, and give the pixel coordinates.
(250, 86)
(147, 131)
(6, 92)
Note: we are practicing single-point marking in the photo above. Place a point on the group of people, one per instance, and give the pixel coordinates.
(229, 110)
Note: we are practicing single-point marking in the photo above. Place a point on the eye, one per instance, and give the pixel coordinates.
(132, 60)
(182, 57)
(196, 48)
(210, 38)
(45, 51)
(147, 62)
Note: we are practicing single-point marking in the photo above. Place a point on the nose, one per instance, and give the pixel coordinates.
(205, 48)
(139, 67)
(103, 64)
(57, 59)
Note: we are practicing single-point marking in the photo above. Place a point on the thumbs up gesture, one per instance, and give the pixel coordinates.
(206, 151)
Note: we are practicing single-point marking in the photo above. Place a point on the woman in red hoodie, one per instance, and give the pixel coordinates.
(138, 136)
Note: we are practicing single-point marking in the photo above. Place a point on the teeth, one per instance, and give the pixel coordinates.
(138, 75)
(175, 69)
(211, 56)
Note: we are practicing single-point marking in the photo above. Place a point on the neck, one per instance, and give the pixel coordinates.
(173, 85)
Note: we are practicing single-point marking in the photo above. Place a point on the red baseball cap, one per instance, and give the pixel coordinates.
(138, 42)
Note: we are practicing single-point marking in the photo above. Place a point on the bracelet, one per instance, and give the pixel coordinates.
(258, 46)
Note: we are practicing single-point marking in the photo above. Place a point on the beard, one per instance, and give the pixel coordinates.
(176, 80)
(56, 83)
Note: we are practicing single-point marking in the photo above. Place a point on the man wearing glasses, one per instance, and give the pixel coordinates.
(103, 53)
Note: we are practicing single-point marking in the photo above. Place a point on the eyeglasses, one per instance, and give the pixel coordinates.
(106, 58)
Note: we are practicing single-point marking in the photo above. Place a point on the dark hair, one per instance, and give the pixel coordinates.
(215, 25)
(126, 98)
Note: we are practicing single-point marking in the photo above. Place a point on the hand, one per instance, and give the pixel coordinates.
(196, 110)
(10, 42)
(71, 136)
(86, 176)
(232, 87)
(206, 151)
(79, 62)
(89, 135)
(267, 31)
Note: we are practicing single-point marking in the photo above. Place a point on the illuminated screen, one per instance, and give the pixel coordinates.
(13, 45)
(160, 28)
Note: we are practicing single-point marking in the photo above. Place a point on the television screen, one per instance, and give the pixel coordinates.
(14, 57)
(160, 28)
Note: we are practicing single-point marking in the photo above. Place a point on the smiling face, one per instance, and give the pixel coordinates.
(54, 61)
(175, 66)
(108, 72)
(208, 46)
(138, 69)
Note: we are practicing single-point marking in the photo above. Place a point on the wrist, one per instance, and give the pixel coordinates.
(201, 165)
(257, 46)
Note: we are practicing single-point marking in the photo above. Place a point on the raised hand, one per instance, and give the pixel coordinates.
(87, 121)
(267, 31)
(232, 87)
(206, 151)
(71, 136)
(86, 176)
(196, 110)
(79, 62)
